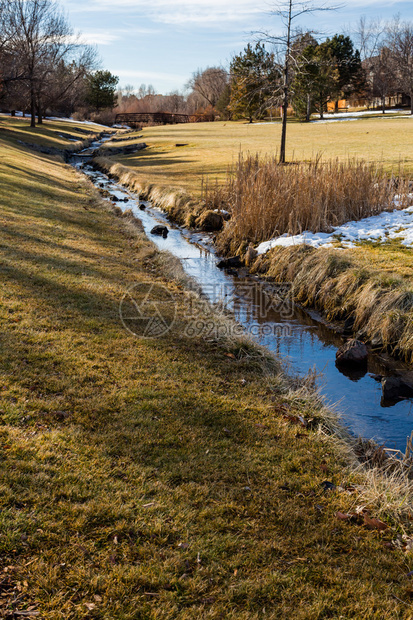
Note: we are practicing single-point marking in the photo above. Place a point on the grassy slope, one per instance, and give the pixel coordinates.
(212, 147)
(139, 479)
(48, 133)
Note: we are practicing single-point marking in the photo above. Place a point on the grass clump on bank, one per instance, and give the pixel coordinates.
(177, 203)
(348, 283)
(266, 199)
(158, 478)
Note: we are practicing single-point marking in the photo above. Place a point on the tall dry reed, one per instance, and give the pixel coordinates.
(267, 199)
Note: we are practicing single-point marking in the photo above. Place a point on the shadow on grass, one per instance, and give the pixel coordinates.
(41, 134)
(153, 157)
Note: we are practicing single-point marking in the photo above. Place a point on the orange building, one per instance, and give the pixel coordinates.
(342, 105)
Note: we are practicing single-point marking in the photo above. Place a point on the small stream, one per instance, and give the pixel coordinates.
(299, 337)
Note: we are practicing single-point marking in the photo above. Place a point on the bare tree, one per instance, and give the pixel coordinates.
(209, 84)
(61, 78)
(39, 44)
(5, 31)
(146, 91)
(289, 12)
(11, 69)
(400, 42)
(383, 75)
(387, 52)
(369, 37)
(124, 93)
(128, 90)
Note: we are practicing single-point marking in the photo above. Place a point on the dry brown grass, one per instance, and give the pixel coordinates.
(267, 199)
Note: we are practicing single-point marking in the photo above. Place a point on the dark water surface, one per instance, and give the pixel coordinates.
(303, 340)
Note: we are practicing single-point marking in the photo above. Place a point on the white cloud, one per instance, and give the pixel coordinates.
(204, 18)
(150, 76)
(137, 30)
(187, 12)
(99, 38)
(184, 5)
(207, 13)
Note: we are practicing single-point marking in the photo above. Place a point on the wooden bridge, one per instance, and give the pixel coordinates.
(136, 119)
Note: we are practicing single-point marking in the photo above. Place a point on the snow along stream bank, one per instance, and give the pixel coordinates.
(397, 224)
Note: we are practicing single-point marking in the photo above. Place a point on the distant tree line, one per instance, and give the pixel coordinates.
(46, 68)
(204, 96)
(373, 67)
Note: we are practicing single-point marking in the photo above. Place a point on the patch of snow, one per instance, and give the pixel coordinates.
(334, 120)
(59, 118)
(363, 113)
(68, 139)
(72, 120)
(397, 224)
(333, 117)
(18, 113)
(264, 123)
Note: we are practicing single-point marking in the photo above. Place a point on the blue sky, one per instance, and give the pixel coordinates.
(162, 42)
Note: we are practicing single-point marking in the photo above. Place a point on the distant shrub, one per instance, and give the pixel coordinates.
(104, 117)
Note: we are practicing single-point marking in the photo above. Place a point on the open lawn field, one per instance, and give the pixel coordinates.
(209, 148)
(160, 478)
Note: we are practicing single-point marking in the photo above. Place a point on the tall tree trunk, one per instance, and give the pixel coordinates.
(39, 113)
(336, 106)
(284, 126)
(383, 104)
(285, 85)
(322, 104)
(32, 107)
(308, 111)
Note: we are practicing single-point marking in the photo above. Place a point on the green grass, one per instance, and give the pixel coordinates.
(212, 147)
(155, 478)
